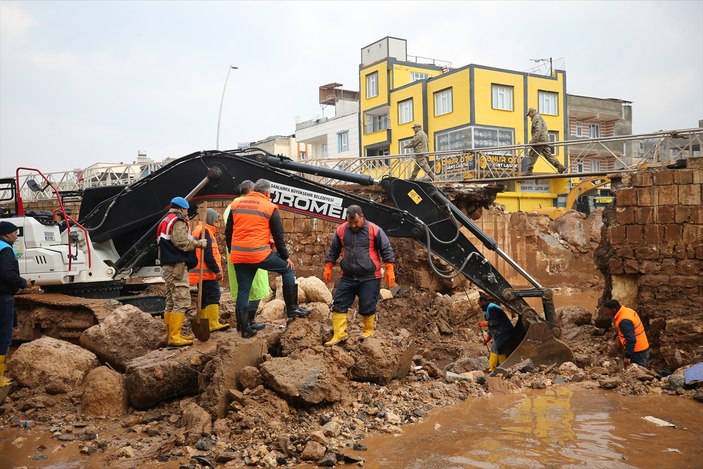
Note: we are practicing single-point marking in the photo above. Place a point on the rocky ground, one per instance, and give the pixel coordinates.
(282, 397)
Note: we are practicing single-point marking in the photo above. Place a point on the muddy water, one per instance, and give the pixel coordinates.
(563, 426)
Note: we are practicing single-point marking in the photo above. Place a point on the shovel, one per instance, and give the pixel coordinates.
(199, 324)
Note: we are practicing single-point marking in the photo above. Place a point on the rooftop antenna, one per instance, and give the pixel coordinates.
(538, 61)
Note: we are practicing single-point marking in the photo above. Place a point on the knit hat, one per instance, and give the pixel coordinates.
(211, 217)
(6, 228)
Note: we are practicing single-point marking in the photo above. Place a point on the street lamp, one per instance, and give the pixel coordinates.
(222, 100)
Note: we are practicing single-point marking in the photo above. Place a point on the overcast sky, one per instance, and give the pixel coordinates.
(85, 82)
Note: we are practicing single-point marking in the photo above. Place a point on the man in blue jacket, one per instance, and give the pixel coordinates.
(500, 329)
(10, 282)
(366, 249)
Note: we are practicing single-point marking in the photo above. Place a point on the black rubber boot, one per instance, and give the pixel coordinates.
(243, 320)
(255, 326)
(290, 296)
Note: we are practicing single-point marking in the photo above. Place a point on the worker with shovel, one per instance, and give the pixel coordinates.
(500, 329)
(175, 246)
(210, 272)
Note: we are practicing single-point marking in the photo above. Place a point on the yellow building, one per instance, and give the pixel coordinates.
(470, 107)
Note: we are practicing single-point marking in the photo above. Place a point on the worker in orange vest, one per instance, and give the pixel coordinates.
(253, 221)
(212, 272)
(630, 333)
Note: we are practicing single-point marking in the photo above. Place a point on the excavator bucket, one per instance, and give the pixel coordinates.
(539, 342)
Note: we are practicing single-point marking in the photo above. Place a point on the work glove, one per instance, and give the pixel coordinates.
(390, 275)
(201, 243)
(327, 275)
(483, 324)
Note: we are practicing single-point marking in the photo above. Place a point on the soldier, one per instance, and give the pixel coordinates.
(540, 141)
(420, 148)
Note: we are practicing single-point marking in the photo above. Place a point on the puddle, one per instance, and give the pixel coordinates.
(563, 427)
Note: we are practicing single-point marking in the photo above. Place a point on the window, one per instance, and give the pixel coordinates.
(343, 141)
(376, 123)
(579, 167)
(553, 137)
(502, 97)
(325, 151)
(303, 155)
(405, 111)
(595, 165)
(579, 129)
(443, 102)
(372, 85)
(547, 103)
(417, 76)
(594, 131)
(401, 146)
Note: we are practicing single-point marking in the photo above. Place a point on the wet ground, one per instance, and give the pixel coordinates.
(562, 426)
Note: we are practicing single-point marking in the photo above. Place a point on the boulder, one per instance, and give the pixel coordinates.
(104, 393)
(305, 378)
(125, 334)
(51, 365)
(164, 374)
(570, 227)
(274, 310)
(197, 422)
(573, 316)
(305, 332)
(380, 359)
(315, 290)
(222, 373)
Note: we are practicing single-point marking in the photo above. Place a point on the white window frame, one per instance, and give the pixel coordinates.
(418, 76)
(548, 103)
(579, 129)
(405, 111)
(594, 131)
(343, 141)
(372, 85)
(595, 166)
(443, 102)
(401, 146)
(502, 97)
(325, 150)
(553, 137)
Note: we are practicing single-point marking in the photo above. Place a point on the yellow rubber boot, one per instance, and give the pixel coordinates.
(212, 314)
(339, 326)
(493, 361)
(368, 329)
(167, 314)
(3, 381)
(175, 324)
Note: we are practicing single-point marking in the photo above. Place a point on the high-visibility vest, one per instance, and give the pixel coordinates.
(194, 274)
(641, 342)
(251, 233)
(168, 253)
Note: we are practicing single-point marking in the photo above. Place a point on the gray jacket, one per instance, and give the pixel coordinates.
(418, 142)
(539, 130)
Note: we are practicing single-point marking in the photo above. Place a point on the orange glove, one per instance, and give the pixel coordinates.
(483, 324)
(390, 275)
(327, 275)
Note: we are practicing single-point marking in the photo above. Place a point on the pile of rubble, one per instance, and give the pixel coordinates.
(281, 397)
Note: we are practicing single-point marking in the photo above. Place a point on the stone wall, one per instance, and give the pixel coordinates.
(652, 256)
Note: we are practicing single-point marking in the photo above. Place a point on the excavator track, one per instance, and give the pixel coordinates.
(57, 315)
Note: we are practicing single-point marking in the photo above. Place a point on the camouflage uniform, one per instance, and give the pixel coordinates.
(420, 148)
(176, 275)
(540, 135)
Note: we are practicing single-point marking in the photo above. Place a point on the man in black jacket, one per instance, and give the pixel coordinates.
(365, 247)
(10, 282)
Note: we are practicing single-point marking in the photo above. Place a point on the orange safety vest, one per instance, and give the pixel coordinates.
(251, 232)
(640, 336)
(194, 274)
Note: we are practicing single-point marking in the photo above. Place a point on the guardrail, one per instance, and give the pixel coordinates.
(623, 152)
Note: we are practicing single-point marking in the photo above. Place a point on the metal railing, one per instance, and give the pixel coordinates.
(625, 152)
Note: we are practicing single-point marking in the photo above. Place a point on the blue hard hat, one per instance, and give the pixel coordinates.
(180, 202)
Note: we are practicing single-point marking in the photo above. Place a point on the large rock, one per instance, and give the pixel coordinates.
(104, 393)
(197, 422)
(51, 365)
(305, 332)
(381, 358)
(305, 377)
(570, 227)
(222, 372)
(125, 334)
(315, 290)
(573, 316)
(165, 374)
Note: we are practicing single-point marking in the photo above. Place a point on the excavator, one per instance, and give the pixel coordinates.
(113, 238)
